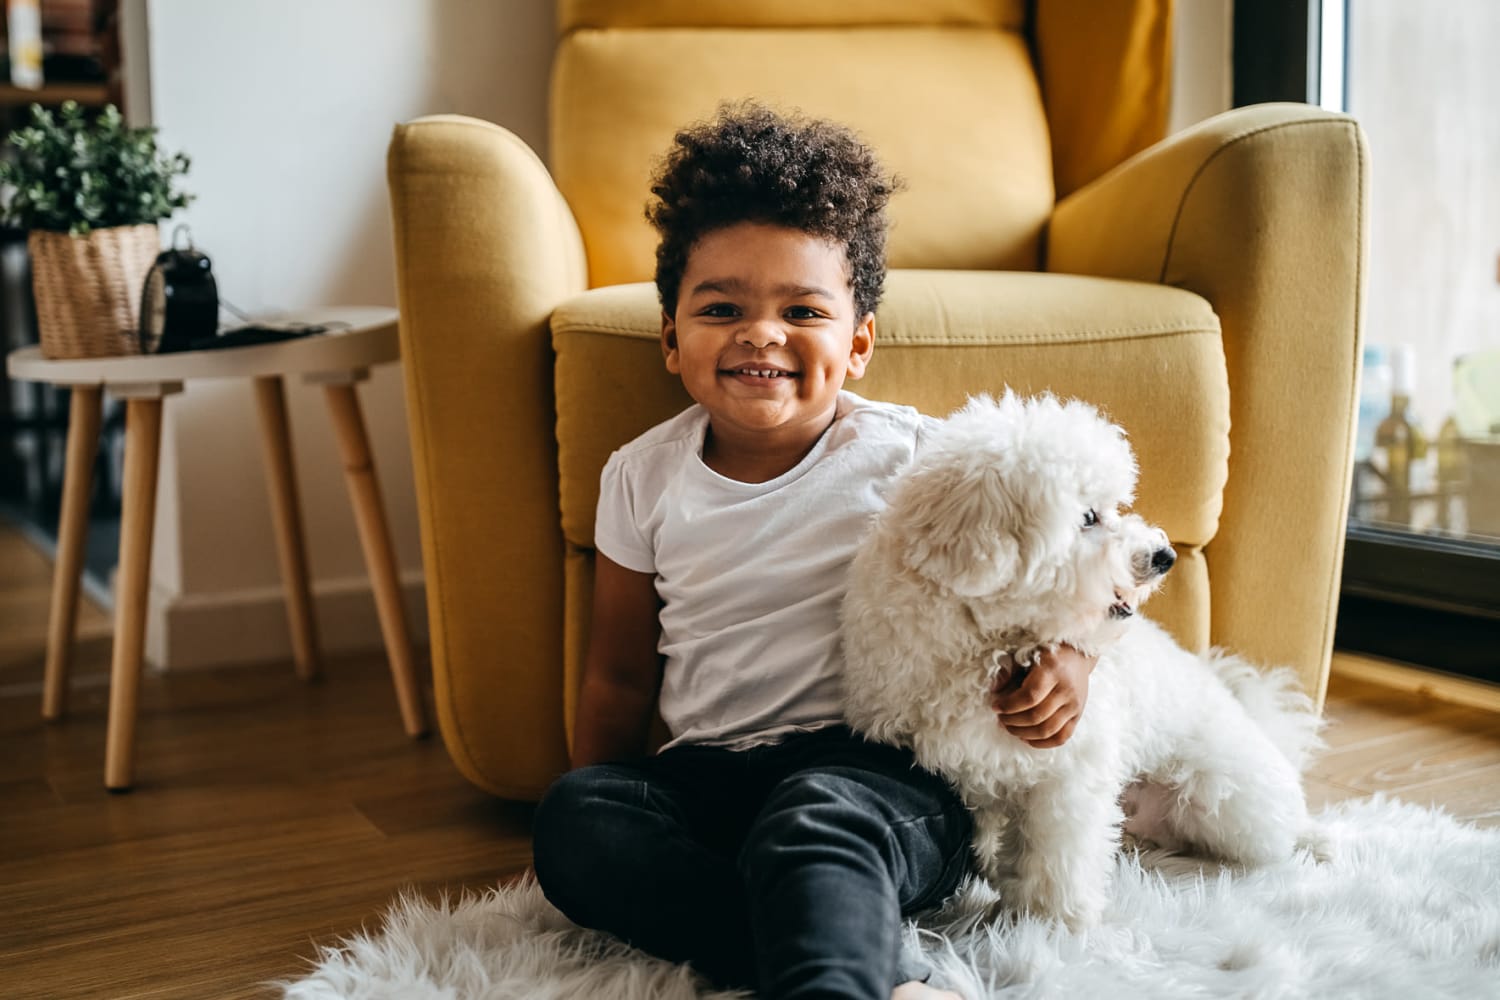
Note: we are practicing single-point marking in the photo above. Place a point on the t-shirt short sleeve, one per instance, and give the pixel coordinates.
(617, 533)
(926, 427)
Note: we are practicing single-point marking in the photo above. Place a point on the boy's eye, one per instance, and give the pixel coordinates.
(802, 312)
(719, 310)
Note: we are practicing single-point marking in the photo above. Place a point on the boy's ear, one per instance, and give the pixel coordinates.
(862, 346)
(669, 343)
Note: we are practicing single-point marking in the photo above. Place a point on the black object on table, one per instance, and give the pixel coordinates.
(247, 336)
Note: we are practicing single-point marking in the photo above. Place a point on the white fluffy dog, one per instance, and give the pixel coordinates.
(1007, 535)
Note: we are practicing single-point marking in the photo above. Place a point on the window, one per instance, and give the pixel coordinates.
(1422, 564)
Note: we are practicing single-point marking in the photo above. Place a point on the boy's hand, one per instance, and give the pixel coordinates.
(1043, 706)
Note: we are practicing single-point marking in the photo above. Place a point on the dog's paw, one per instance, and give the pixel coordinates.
(1001, 668)
(1075, 907)
(1080, 909)
(1029, 656)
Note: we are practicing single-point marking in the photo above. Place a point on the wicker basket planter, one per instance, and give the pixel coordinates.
(88, 288)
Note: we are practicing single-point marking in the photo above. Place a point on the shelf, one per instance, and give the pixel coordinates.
(88, 94)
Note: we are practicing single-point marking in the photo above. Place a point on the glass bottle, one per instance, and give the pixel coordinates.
(1374, 399)
(1451, 471)
(1399, 438)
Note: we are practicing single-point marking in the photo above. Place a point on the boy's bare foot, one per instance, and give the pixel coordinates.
(915, 990)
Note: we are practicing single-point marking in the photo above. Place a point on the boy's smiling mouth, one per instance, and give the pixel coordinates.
(759, 372)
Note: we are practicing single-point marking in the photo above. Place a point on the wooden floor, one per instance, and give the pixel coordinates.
(270, 815)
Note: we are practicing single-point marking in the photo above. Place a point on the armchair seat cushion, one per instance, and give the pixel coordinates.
(1150, 356)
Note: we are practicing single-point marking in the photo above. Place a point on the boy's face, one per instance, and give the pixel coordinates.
(765, 331)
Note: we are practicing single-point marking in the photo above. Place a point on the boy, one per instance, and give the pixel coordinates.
(766, 844)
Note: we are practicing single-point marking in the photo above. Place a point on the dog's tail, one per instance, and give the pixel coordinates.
(1276, 701)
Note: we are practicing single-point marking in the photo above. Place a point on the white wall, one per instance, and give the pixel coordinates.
(285, 107)
(1202, 61)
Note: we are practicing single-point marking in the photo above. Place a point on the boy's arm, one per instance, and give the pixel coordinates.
(1044, 708)
(622, 671)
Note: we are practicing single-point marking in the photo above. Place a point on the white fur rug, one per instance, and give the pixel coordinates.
(1408, 907)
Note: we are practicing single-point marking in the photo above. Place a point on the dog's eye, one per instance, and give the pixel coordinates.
(1090, 518)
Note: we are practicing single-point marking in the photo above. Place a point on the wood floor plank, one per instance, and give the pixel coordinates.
(201, 909)
(111, 819)
(1322, 793)
(25, 601)
(22, 564)
(1472, 797)
(1362, 717)
(1406, 743)
(1397, 765)
(1414, 684)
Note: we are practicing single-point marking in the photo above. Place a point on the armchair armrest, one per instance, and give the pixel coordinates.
(485, 250)
(1262, 212)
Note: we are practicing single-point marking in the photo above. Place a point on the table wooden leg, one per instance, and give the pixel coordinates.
(137, 517)
(380, 559)
(72, 528)
(281, 479)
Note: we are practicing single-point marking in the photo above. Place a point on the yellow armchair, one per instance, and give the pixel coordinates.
(1204, 289)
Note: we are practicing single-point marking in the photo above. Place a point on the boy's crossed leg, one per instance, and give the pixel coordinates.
(837, 839)
(847, 843)
(620, 848)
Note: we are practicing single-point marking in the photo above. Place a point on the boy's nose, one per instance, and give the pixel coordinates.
(762, 333)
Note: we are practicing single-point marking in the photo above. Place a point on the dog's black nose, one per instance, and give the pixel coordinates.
(1163, 559)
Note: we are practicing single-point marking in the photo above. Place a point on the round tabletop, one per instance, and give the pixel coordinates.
(357, 337)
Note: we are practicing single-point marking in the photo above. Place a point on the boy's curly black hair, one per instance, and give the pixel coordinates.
(753, 164)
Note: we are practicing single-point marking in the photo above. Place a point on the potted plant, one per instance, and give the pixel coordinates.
(91, 192)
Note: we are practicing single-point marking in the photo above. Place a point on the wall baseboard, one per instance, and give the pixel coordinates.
(1417, 681)
(189, 631)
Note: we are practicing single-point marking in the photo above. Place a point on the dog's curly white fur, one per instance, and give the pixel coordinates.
(1008, 534)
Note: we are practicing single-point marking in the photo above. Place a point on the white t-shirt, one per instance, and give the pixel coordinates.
(751, 574)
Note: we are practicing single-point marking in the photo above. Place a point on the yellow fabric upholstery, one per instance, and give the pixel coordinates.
(1083, 48)
(1090, 48)
(475, 301)
(968, 92)
(1009, 14)
(1204, 291)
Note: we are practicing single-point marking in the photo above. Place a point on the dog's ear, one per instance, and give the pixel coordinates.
(952, 526)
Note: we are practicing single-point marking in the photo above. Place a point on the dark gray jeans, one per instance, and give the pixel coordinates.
(784, 868)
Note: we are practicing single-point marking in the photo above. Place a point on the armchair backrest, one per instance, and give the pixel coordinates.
(987, 109)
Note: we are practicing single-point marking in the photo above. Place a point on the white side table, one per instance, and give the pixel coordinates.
(339, 359)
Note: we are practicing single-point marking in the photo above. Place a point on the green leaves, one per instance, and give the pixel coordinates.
(68, 174)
